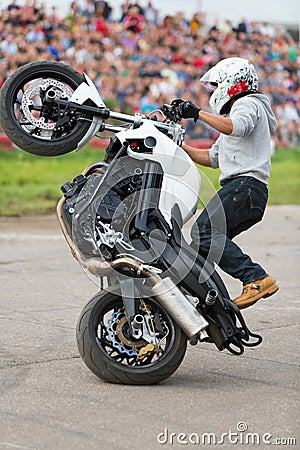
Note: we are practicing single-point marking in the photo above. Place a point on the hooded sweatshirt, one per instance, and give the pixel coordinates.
(247, 150)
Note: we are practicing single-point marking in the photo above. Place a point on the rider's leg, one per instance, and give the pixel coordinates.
(237, 206)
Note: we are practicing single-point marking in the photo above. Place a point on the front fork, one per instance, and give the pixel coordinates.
(140, 319)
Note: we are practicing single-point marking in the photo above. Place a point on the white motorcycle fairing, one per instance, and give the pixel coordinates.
(88, 91)
(181, 180)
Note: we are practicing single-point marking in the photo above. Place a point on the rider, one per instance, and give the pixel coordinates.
(242, 152)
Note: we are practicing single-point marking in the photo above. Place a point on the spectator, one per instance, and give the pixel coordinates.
(196, 24)
(27, 13)
(290, 123)
(13, 5)
(103, 8)
(151, 14)
(35, 33)
(143, 58)
(8, 46)
(134, 21)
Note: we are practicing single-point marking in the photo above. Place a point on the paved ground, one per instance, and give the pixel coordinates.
(50, 400)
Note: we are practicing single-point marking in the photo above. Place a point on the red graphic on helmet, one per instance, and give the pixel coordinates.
(238, 89)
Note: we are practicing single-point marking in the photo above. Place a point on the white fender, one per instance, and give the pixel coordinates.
(87, 91)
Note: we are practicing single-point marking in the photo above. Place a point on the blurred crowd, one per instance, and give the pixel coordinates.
(140, 59)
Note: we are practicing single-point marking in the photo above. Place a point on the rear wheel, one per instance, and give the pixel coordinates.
(109, 350)
(28, 116)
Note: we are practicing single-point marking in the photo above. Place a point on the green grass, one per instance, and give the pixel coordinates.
(284, 183)
(285, 177)
(29, 185)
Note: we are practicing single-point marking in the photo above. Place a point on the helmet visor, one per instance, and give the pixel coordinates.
(210, 76)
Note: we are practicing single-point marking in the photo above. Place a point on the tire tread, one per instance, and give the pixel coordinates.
(100, 365)
(22, 139)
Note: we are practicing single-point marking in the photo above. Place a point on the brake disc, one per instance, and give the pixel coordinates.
(115, 330)
(32, 97)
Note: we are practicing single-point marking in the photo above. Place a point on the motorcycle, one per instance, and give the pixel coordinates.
(123, 219)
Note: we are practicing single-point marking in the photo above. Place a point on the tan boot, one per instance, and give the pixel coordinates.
(252, 292)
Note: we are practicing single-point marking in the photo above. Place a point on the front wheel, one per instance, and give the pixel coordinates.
(31, 120)
(109, 350)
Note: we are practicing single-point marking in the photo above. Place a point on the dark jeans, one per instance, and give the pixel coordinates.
(238, 205)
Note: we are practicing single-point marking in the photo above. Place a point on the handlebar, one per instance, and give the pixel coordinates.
(173, 129)
(137, 120)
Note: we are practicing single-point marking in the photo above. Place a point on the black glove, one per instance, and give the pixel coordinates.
(176, 102)
(186, 110)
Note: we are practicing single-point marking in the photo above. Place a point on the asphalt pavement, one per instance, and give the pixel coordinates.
(50, 400)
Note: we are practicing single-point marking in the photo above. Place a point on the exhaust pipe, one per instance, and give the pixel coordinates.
(178, 306)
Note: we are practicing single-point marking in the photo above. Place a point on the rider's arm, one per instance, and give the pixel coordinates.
(222, 124)
(198, 155)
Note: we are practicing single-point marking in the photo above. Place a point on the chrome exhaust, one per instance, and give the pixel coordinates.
(179, 307)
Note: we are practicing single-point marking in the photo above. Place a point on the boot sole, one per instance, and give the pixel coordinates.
(251, 301)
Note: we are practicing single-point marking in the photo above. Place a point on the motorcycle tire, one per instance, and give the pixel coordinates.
(20, 120)
(110, 355)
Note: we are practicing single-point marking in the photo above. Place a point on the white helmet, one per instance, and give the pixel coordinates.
(230, 77)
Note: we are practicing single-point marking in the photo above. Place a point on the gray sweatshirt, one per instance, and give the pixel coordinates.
(247, 150)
